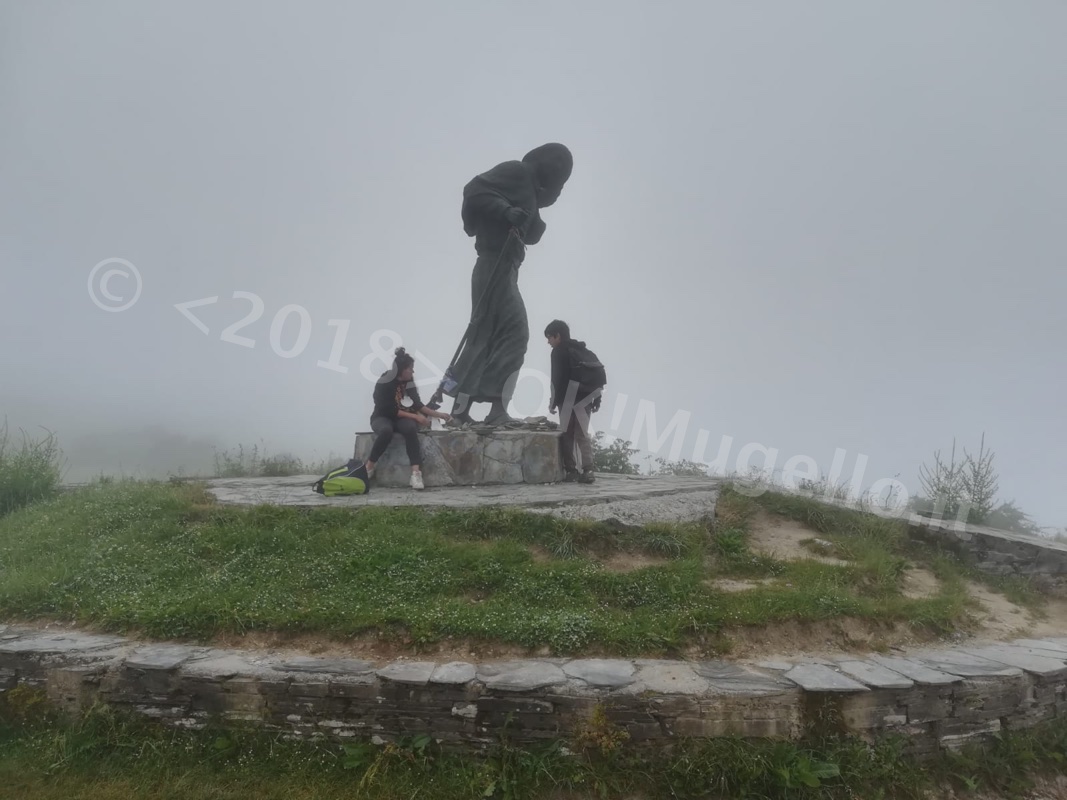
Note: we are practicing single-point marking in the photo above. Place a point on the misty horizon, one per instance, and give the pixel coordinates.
(812, 229)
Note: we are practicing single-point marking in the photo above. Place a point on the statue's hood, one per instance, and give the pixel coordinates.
(552, 164)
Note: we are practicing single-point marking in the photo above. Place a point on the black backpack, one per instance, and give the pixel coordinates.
(586, 367)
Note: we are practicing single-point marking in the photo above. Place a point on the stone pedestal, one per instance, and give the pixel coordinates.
(470, 458)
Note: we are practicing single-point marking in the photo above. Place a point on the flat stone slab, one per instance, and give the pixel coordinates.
(336, 666)
(820, 678)
(162, 656)
(963, 664)
(228, 664)
(725, 677)
(1047, 645)
(520, 676)
(875, 675)
(666, 677)
(1025, 659)
(413, 672)
(601, 671)
(777, 666)
(638, 496)
(455, 672)
(922, 674)
(71, 642)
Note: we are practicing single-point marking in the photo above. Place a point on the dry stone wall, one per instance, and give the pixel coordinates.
(936, 698)
(998, 552)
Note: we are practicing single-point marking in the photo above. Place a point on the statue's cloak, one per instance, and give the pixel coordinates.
(499, 332)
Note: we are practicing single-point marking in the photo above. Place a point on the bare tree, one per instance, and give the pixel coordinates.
(979, 483)
(943, 483)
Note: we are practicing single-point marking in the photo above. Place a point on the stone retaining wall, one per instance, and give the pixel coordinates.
(940, 699)
(998, 552)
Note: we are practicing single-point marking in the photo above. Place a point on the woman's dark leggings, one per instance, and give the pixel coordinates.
(384, 428)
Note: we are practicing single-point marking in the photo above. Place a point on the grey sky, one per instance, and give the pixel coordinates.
(812, 226)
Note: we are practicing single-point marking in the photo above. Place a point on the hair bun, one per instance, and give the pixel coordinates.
(399, 351)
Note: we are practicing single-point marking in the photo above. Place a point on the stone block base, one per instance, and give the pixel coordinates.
(470, 458)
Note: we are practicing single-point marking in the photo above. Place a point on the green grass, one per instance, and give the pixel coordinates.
(882, 548)
(870, 585)
(165, 561)
(104, 755)
(29, 473)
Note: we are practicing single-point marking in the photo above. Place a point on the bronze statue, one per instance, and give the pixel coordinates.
(501, 210)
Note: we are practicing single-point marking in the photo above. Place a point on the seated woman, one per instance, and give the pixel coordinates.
(391, 414)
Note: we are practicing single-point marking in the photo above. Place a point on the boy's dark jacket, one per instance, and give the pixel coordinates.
(561, 376)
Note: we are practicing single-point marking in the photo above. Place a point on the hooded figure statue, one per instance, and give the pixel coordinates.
(501, 210)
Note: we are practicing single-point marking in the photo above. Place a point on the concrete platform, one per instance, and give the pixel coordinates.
(621, 499)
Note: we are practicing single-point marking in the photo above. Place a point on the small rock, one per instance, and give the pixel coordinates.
(467, 710)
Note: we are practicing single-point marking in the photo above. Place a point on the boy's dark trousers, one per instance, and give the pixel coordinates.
(574, 422)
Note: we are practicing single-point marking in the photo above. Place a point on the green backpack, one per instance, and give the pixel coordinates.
(352, 478)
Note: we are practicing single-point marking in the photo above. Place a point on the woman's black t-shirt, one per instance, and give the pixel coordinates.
(389, 396)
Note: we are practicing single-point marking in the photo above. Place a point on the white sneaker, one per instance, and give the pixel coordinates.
(416, 481)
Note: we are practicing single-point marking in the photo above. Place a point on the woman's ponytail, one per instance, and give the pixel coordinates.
(402, 360)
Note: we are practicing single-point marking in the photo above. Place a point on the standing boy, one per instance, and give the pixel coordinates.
(575, 399)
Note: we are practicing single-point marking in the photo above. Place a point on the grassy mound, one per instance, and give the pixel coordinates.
(165, 560)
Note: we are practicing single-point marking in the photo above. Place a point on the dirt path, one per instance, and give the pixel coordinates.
(994, 618)
(781, 538)
(920, 583)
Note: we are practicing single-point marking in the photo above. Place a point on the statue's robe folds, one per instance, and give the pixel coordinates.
(489, 364)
